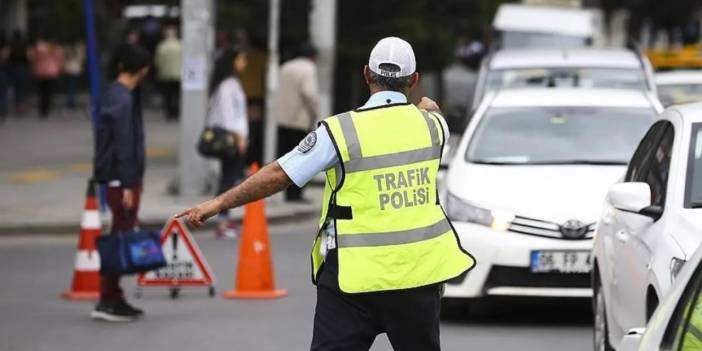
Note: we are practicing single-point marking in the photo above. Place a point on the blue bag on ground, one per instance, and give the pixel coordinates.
(130, 252)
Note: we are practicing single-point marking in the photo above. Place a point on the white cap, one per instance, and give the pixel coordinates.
(394, 51)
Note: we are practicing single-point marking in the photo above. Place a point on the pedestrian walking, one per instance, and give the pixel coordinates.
(74, 58)
(130, 37)
(18, 71)
(296, 104)
(227, 110)
(253, 79)
(168, 67)
(46, 59)
(384, 245)
(119, 163)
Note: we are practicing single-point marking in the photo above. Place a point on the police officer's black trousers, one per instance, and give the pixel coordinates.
(350, 322)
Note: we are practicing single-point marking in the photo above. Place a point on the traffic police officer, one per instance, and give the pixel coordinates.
(384, 246)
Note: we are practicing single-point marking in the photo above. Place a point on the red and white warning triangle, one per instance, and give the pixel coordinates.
(186, 266)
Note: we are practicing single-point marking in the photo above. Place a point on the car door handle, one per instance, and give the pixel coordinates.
(622, 236)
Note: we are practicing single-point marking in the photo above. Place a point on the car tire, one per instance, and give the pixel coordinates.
(601, 330)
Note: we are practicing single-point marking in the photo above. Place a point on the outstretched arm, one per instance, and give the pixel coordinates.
(268, 181)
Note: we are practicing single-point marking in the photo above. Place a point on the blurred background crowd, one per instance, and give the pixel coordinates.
(42, 50)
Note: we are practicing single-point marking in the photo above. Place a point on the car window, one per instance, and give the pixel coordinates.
(679, 93)
(639, 162)
(677, 329)
(580, 77)
(693, 191)
(659, 167)
(557, 135)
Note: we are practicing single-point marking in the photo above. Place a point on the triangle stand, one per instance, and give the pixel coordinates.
(186, 265)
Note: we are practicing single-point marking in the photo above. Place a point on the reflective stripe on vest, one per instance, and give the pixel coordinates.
(392, 160)
(692, 330)
(359, 163)
(432, 129)
(395, 238)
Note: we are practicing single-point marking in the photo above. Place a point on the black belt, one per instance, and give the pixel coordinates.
(339, 212)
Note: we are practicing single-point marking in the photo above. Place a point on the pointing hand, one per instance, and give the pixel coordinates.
(196, 216)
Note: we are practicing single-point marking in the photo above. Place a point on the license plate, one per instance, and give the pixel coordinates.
(552, 261)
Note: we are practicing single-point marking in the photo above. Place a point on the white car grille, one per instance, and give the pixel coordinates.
(571, 230)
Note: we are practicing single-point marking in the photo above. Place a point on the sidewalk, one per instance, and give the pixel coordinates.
(44, 167)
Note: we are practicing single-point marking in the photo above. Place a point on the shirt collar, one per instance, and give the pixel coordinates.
(385, 97)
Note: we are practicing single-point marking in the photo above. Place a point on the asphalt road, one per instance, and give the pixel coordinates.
(35, 270)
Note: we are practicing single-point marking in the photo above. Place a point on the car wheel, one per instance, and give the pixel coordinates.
(651, 303)
(601, 332)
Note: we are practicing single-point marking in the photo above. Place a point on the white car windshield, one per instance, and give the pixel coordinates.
(694, 174)
(558, 135)
(511, 39)
(617, 78)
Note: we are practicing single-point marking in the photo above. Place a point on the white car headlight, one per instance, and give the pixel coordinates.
(461, 211)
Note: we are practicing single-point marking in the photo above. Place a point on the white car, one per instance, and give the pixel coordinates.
(679, 87)
(586, 68)
(525, 186)
(677, 322)
(650, 224)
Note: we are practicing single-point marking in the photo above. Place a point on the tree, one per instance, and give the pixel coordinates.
(432, 27)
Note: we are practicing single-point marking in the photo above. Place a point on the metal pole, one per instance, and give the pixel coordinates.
(271, 81)
(93, 61)
(323, 34)
(198, 34)
(94, 75)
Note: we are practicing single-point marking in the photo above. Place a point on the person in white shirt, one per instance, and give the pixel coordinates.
(168, 62)
(227, 110)
(74, 58)
(295, 105)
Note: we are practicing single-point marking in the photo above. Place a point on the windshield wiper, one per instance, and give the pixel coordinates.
(497, 163)
(554, 162)
(696, 204)
(580, 162)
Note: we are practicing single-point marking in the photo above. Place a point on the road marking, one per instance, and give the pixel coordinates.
(82, 167)
(158, 152)
(35, 176)
(45, 175)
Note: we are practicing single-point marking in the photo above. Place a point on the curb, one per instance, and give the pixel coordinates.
(73, 227)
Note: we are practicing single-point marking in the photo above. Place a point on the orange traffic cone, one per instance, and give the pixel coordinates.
(86, 276)
(254, 277)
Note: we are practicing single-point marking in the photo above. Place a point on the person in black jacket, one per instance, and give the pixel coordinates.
(119, 163)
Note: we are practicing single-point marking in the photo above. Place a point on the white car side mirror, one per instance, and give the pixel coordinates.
(630, 197)
(632, 340)
(634, 197)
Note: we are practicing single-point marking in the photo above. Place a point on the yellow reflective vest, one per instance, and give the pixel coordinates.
(692, 338)
(391, 232)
